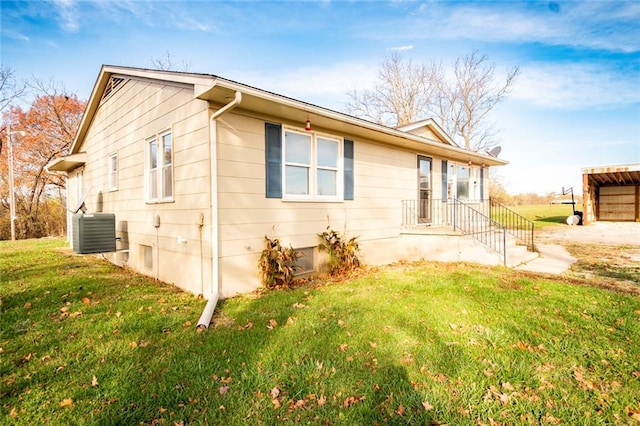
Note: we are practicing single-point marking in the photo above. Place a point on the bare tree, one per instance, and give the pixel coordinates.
(401, 95)
(167, 62)
(465, 101)
(10, 90)
(460, 100)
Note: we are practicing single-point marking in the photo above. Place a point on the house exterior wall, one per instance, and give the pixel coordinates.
(123, 123)
(179, 250)
(384, 176)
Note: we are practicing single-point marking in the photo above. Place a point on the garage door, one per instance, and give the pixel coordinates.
(618, 203)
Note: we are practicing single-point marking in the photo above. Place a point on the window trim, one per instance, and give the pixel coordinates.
(313, 167)
(474, 188)
(111, 173)
(158, 199)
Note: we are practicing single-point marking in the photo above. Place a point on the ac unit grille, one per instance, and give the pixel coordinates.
(94, 233)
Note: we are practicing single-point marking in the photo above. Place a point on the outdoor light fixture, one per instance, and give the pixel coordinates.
(307, 126)
(470, 163)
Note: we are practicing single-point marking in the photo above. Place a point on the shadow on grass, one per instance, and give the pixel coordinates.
(552, 219)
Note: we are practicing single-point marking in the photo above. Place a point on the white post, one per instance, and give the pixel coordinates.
(12, 199)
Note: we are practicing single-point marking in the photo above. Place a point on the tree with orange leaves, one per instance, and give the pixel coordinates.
(50, 125)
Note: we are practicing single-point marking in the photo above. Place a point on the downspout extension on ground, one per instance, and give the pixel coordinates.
(207, 313)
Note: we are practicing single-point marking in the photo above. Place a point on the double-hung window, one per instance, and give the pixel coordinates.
(113, 172)
(159, 174)
(312, 166)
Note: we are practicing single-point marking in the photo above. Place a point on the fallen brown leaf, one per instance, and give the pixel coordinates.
(321, 401)
(67, 402)
(272, 324)
(633, 413)
(275, 392)
(427, 406)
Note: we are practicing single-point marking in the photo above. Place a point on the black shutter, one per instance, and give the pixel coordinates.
(273, 160)
(482, 183)
(445, 170)
(348, 170)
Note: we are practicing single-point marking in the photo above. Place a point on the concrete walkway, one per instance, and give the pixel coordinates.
(552, 259)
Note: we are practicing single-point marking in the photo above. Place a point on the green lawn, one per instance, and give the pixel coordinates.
(544, 215)
(83, 342)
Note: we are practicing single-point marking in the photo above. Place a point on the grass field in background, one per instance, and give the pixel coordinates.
(84, 342)
(544, 215)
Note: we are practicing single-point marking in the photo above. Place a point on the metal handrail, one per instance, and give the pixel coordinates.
(515, 224)
(480, 227)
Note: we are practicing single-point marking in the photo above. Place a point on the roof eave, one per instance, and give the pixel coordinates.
(256, 100)
(67, 163)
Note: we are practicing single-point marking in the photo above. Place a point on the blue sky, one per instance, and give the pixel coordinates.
(575, 104)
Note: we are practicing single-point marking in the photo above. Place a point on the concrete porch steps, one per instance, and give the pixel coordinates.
(442, 243)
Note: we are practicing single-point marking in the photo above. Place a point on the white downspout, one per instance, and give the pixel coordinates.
(207, 313)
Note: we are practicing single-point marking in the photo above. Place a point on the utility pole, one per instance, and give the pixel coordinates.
(12, 197)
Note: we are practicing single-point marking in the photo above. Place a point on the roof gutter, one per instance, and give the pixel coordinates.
(250, 91)
(214, 293)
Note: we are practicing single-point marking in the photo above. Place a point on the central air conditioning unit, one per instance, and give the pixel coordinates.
(94, 232)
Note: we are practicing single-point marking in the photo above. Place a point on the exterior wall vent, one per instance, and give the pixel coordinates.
(94, 233)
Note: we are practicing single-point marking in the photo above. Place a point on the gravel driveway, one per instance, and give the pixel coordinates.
(613, 233)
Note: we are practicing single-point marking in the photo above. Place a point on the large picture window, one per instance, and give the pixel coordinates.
(303, 165)
(160, 168)
(312, 166)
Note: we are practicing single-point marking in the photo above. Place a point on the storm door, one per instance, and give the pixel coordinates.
(424, 189)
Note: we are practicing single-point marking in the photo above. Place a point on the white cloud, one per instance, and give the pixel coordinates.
(575, 86)
(323, 86)
(609, 25)
(15, 35)
(402, 48)
(68, 15)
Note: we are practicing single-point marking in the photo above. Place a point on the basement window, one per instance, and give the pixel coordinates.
(306, 261)
(147, 257)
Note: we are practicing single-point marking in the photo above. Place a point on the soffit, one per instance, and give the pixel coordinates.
(67, 163)
(613, 175)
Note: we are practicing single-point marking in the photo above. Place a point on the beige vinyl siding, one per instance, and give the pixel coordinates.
(123, 124)
(383, 177)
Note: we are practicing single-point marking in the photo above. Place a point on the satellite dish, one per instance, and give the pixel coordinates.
(495, 151)
(80, 205)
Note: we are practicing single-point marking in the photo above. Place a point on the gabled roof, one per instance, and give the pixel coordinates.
(219, 91)
(432, 125)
